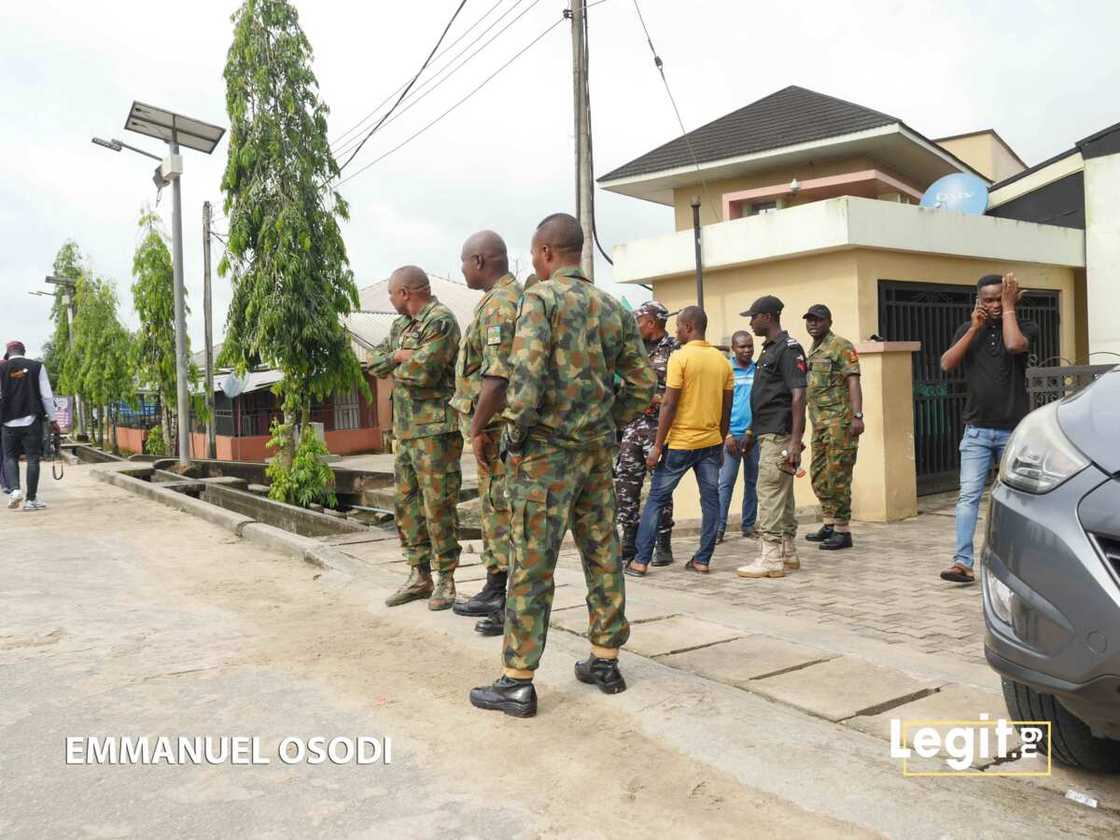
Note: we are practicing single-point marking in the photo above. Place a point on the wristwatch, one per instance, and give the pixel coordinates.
(858, 415)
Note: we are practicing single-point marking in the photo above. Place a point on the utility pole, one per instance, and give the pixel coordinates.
(207, 316)
(698, 240)
(585, 211)
(181, 394)
(70, 287)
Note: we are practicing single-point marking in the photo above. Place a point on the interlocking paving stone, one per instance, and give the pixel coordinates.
(654, 638)
(739, 661)
(952, 703)
(843, 687)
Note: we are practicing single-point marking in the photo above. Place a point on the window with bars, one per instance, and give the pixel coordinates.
(346, 413)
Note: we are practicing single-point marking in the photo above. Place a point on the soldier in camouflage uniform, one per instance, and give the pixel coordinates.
(564, 412)
(835, 402)
(481, 375)
(638, 437)
(420, 356)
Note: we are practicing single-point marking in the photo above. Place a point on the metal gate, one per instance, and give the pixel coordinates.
(931, 313)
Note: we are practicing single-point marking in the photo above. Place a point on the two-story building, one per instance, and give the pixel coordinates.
(815, 199)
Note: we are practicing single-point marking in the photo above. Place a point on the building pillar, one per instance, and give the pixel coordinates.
(885, 484)
(1102, 255)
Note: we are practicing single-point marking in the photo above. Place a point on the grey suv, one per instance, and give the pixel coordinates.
(1051, 574)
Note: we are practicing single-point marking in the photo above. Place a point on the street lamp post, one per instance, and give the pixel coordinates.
(174, 129)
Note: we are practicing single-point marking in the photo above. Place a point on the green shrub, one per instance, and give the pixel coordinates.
(307, 479)
(154, 444)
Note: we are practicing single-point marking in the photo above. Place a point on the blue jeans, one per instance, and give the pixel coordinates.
(981, 449)
(728, 472)
(668, 473)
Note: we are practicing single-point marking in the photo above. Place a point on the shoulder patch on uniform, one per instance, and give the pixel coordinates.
(801, 366)
(853, 356)
(494, 334)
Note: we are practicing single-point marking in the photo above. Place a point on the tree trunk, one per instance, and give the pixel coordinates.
(116, 448)
(165, 423)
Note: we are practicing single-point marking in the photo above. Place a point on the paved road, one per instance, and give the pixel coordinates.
(121, 617)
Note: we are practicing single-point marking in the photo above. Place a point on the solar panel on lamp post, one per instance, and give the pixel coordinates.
(175, 130)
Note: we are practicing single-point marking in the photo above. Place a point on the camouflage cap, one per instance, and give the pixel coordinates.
(653, 308)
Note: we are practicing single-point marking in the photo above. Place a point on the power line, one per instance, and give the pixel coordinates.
(660, 65)
(415, 100)
(409, 86)
(341, 139)
(483, 84)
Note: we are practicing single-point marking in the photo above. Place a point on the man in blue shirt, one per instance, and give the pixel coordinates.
(739, 446)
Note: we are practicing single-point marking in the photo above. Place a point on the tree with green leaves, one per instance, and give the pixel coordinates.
(153, 298)
(291, 278)
(98, 364)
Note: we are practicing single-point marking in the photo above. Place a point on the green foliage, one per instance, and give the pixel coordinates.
(98, 366)
(154, 444)
(153, 298)
(290, 274)
(67, 263)
(306, 478)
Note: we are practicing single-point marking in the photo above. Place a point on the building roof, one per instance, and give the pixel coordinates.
(790, 116)
(457, 297)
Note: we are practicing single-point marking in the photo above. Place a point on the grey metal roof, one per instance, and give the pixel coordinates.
(792, 115)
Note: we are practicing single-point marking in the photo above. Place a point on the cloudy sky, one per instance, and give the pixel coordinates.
(1041, 73)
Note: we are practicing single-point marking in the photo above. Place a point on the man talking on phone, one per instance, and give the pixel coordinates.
(992, 350)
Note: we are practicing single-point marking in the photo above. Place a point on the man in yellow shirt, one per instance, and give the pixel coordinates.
(694, 418)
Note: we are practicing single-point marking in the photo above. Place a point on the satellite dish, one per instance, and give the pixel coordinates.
(233, 384)
(959, 192)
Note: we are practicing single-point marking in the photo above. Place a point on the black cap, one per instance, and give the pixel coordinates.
(765, 305)
(818, 310)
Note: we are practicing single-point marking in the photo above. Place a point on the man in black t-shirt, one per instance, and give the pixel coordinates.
(777, 427)
(992, 350)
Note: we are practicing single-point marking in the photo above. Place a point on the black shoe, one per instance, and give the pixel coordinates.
(820, 536)
(514, 697)
(629, 547)
(601, 672)
(493, 625)
(663, 554)
(836, 542)
(719, 536)
(491, 597)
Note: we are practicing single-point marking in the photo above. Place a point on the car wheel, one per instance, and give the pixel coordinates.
(1072, 741)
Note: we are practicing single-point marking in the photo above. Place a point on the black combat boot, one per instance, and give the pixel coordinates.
(663, 556)
(629, 543)
(601, 672)
(820, 536)
(836, 542)
(514, 697)
(493, 625)
(491, 597)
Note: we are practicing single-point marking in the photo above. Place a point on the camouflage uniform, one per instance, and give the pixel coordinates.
(485, 351)
(429, 445)
(831, 362)
(564, 412)
(637, 439)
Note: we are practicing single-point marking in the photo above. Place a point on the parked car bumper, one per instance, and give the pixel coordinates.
(1066, 642)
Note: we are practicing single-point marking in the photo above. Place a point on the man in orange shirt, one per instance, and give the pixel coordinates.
(695, 415)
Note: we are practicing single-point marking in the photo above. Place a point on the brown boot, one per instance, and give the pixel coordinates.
(444, 595)
(790, 560)
(418, 585)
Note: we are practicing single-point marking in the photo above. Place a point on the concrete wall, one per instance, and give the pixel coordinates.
(984, 153)
(131, 440)
(711, 208)
(1102, 254)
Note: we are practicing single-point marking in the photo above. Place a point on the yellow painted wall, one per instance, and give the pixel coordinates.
(984, 153)
(847, 281)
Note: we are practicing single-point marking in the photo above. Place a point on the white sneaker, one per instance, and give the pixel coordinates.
(34, 504)
(14, 498)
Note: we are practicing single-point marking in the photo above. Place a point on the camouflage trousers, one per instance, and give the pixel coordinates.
(777, 516)
(428, 477)
(551, 489)
(834, 458)
(494, 507)
(630, 473)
